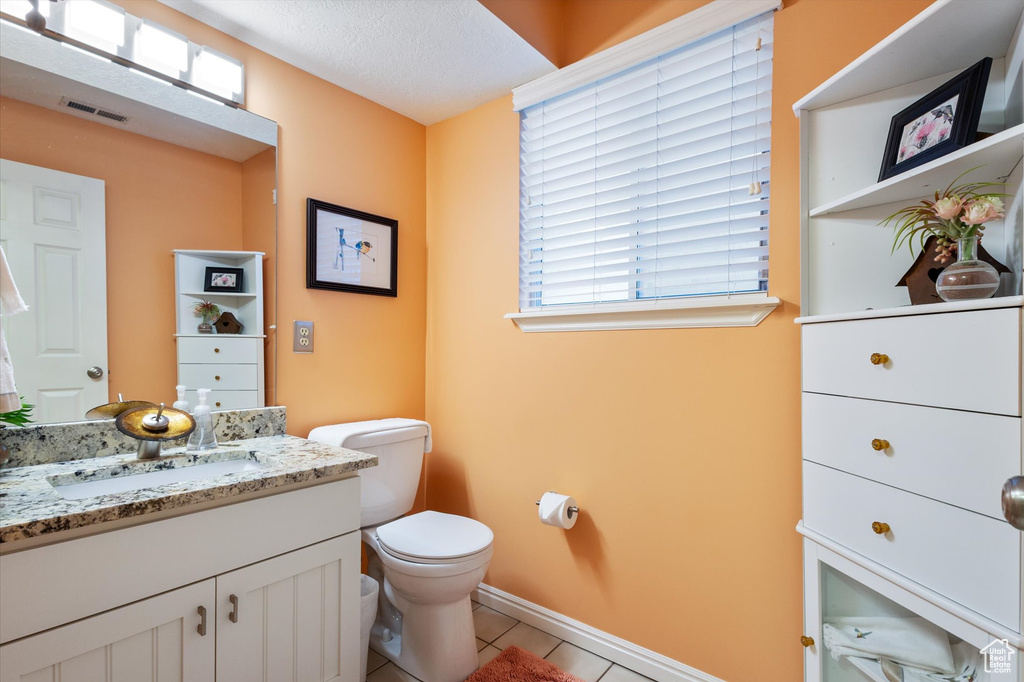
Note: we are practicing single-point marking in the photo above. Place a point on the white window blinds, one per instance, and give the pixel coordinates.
(653, 182)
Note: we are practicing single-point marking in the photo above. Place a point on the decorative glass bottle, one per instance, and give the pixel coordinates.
(969, 277)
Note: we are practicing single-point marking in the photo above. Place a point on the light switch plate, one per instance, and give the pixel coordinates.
(303, 341)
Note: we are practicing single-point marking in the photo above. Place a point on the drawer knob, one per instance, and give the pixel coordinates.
(216, 350)
(806, 641)
(879, 358)
(880, 444)
(216, 377)
(217, 403)
(880, 527)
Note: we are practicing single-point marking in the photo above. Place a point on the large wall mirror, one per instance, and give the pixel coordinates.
(179, 173)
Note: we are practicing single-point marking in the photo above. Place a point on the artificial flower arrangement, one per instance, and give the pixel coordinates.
(206, 310)
(957, 212)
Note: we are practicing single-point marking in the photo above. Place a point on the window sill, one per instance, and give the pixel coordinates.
(746, 310)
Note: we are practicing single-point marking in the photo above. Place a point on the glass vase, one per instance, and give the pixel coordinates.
(967, 278)
(206, 326)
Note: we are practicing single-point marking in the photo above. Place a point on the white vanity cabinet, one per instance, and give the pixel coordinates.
(911, 415)
(262, 589)
(230, 365)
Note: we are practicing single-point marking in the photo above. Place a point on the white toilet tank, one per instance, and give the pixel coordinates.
(388, 490)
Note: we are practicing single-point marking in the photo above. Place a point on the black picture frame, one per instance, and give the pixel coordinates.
(952, 110)
(349, 250)
(217, 278)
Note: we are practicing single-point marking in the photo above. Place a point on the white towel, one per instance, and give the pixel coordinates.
(907, 641)
(11, 303)
(967, 662)
(336, 434)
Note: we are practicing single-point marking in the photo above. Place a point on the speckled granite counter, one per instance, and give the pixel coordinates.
(30, 506)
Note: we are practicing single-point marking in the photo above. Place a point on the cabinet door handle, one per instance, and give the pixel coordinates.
(216, 377)
(806, 641)
(233, 615)
(201, 628)
(879, 358)
(880, 444)
(217, 403)
(216, 350)
(880, 527)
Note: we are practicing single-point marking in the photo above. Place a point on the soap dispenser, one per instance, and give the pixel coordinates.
(203, 438)
(181, 403)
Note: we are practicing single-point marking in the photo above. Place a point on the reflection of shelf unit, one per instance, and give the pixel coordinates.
(231, 365)
(946, 440)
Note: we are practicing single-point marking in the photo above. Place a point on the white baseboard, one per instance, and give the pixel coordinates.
(615, 649)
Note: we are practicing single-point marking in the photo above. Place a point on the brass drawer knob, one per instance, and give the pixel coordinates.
(217, 403)
(216, 377)
(879, 358)
(806, 641)
(880, 444)
(880, 527)
(216, 350)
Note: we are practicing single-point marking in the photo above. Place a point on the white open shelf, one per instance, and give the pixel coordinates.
(203, 294)
(998, 155)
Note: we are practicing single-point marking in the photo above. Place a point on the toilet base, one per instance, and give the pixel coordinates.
(441, 644)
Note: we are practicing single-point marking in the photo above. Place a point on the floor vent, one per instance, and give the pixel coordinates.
(90, 109)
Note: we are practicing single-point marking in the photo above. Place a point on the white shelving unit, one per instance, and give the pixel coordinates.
(231, 365)
(935, 496)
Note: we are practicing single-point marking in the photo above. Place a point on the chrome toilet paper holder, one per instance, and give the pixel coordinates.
(571, 510)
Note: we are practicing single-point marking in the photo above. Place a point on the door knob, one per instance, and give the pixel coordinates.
(880, 527)
(1013, 501)
(94, 372)
(880, 444)
(879, 358)
(806, 641)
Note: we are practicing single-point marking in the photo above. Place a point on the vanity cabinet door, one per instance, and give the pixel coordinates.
(153, 640)
(293, 617)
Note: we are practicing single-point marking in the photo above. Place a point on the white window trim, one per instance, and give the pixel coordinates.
(704, 21)
(741, 310)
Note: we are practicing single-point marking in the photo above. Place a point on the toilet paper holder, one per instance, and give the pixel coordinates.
(571, 510)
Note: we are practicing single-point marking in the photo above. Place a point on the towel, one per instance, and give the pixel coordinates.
(336, 434)
(968, 666)
(10, 304)
(908, 641)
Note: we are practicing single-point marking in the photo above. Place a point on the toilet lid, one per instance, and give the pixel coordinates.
(432, 535)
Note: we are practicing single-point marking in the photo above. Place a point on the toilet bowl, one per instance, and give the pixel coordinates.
(427, 564)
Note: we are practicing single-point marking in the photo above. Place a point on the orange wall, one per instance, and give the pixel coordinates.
(538, 22)
(159, 197)
(335, 146)
(682, 446)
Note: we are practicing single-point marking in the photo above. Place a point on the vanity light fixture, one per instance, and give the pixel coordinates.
(161, 49)
(106, 31)
(96, 23)
(217, 73)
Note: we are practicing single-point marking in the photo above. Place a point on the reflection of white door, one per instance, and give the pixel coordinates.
(52, 227)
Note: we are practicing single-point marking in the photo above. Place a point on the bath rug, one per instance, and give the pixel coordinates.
(518, 665)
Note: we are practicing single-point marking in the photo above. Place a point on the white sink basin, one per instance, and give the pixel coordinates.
(116, 480)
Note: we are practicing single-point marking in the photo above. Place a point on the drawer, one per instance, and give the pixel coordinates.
(219, 377)
(227, 400)
(962, 458)
(219, 348)
(966, 361)
(969, 558)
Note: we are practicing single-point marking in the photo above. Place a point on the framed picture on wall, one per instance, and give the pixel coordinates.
(224, 280)
(349, 250)
(941, 122)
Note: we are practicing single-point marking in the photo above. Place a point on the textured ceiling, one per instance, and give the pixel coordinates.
(426, 59)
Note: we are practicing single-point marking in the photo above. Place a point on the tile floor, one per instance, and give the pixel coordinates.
(495, 631)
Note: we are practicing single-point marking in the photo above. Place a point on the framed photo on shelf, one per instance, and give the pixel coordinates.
(223, 280)
(349, 250)
(944, 120)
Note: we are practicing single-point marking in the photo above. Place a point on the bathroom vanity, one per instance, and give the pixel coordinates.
(911, 415)
(238, 576)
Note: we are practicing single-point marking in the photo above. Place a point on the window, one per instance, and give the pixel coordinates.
(652, 183)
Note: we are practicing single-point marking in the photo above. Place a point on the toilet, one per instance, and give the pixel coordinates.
(427, 564)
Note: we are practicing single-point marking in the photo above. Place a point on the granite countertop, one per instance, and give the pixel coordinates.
(31, 507)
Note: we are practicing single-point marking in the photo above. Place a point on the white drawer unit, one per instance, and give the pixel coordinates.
(907, 360)
(230, 365)
(219, 348)
(961, 458)
(972, 559)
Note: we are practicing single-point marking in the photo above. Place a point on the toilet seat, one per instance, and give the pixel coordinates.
(434, 538)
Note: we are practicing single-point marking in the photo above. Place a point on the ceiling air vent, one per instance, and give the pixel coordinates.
(90, 109)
